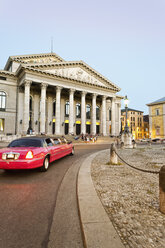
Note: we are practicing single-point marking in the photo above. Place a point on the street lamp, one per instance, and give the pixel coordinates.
(126, 101)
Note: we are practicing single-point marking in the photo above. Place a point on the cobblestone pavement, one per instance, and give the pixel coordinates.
(131, 197)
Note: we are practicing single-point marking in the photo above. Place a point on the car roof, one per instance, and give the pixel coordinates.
(33, 137)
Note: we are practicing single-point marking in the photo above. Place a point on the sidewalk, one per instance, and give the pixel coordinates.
(97, 228)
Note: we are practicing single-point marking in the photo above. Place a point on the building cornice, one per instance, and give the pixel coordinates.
(156, 103)
(7, 73)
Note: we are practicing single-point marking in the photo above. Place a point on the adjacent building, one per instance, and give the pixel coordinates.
(157, 118)
(134, 121)
(47, 94)
(146, 126)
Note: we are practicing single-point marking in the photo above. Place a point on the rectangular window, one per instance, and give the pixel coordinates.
(2, 121)
(157, 111)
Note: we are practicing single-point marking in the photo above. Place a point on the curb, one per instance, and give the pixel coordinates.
(97, 228)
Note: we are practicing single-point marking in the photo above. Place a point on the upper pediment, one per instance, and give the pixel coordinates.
(77, 70)
(43, 58)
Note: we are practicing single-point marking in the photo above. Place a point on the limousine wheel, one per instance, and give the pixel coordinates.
(45, 165)
(72, 152)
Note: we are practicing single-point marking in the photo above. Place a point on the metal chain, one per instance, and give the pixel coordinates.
(147, 171)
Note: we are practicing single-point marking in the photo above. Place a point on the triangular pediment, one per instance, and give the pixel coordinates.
(32, 59)
(77, 70)
(76, 73)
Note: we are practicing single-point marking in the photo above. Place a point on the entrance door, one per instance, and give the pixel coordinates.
(53, 127)
(88, 129)
(78, 129)
(97, 129)
(66, 128)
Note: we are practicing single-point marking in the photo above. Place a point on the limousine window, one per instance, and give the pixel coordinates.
(26, 143)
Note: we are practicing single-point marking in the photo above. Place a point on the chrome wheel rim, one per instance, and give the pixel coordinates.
(46, 163)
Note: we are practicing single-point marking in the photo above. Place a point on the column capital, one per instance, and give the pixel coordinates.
(27, 82)
(44, 85)
(83, 93)
(59, 88)
(94, 95)
(104, 97)
(72, 90)
(113, 98)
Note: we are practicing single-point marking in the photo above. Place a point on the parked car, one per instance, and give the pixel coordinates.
(33, 152)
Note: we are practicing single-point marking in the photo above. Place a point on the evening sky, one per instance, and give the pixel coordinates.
(122, 39)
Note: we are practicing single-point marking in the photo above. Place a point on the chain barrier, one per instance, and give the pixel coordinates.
(147, 171)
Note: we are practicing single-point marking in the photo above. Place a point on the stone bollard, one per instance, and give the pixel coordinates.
(162, 189)
(113, 155)
(134, 144)
(122, 145)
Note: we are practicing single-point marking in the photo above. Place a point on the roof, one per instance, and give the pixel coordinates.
(129, 109)
(161, 100)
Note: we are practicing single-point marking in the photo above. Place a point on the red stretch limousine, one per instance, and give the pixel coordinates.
(33, 152)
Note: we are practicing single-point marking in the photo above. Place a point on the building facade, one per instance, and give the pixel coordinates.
(157, 118)
(146, 126)
(134, 121)
(44, 93)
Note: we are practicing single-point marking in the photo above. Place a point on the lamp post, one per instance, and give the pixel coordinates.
(126, 136)
(126, 101)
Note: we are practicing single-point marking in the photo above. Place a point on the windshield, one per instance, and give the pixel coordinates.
(26, 143)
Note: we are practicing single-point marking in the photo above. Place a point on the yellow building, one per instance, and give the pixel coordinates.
(157, 118)
(135, 122)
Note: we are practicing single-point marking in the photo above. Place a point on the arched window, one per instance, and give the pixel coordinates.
(78, 110)
(67, 109)
(54, 108)
(88, 111)
(2, 100)
(97, 113)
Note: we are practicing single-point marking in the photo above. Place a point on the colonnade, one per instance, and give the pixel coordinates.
(27, 85)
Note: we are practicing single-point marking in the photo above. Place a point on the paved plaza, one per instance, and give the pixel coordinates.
(131, 197)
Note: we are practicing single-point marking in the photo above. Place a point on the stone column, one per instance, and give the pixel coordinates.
(113, 117)
(58, 110)
(71, 100)
(43, 108)
(104, 115)
(50, 114)
(36, 113)
(108, 107)
(26, 106)
(94, 114)
(83, 112)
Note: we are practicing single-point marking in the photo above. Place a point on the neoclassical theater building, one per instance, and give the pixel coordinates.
(47, 94)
